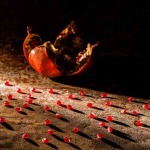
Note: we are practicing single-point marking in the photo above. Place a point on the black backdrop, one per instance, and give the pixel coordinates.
(122, 27)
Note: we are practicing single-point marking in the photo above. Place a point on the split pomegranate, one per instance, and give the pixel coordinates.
(69, 55)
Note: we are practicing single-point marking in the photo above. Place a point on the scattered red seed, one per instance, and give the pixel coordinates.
(51, 91)
(110, 129)
(33, 89)
(6, 103)
(66, 139)
(18, 90)
(25, 136)
(138, 123)
(70, 96)
(18, 109)
(104, 95)
(7, 83)
(108, 103)
(102, 124)
(30, 101)
(130, 99)
(90, 104)
(135, 112)
(2, 120)
(9, 96)
(25, 105)
(75, 129)
(146, 106)
(110, 118)
(59, 102)
(99, 136)
(82, 93)
(45, 140)
(46, 108)
(92, 115)
(69, 106)
(50, 131)
(58, 116)
(47, 122)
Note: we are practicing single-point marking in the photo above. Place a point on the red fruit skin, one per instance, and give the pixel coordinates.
(40, 61)
(31, 41)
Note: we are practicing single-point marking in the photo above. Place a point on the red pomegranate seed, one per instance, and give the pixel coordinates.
(2, 120)
(92, 115)
(110, 129)
(25, 136)
(90, 104)
(51, 91)
(66, 139)
(50, 131)
(99, 136)
(46, 108)
(82, 93)
(47, 122)
(130, 99)
(45, 140)
(110, 118)
(75, 130)
(104, 95)
(102, 124)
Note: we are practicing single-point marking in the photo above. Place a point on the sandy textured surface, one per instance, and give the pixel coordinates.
(31, 120)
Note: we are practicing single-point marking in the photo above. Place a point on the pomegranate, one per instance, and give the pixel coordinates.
(69, 55)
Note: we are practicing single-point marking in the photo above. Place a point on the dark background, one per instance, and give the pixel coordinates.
(122, 27)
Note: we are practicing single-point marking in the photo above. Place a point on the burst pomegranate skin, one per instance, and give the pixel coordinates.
(69, 55)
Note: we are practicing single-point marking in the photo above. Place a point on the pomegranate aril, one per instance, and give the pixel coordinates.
(59, 102)
(33, 89)
(30, 101)
(104, 95)
(110, 118)
(58, 116)
(75, 130)
(18, 109)
(82, 93)
(146, 106)
(70, 96)
(2, 120)
(108, 103)
(138, 123)
(9, 96)
(130, 99)
(51, 91)
(25, 105)
(102, 124)
(110, 129)
(46, 108)
(90, 104)
(7, 83)
(92, 115)
(50, 131)
(99, 136)
(18, 90)
(47, 122)
(45, 140)
(66, 139)
(25, 136)
(135, 112)
(69, 106)
(6, 103)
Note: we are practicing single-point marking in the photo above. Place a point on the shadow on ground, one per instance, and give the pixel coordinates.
(118, 75)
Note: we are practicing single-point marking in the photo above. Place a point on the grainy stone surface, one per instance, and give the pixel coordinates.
(126, 135)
